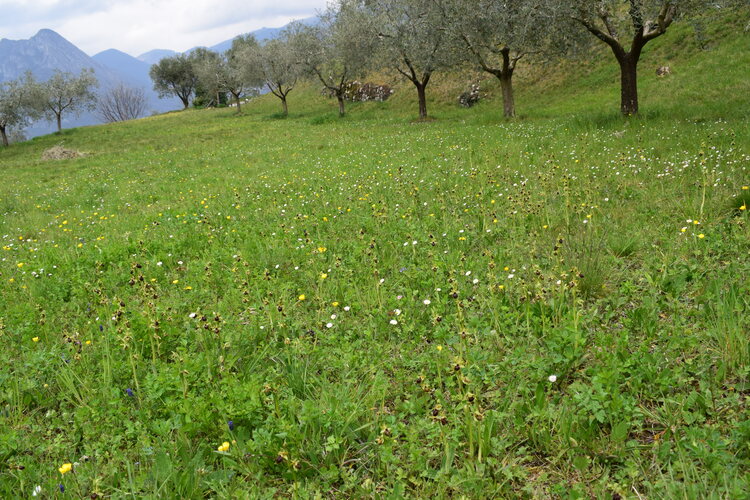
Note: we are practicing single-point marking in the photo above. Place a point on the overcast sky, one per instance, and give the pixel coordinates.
(137, 26)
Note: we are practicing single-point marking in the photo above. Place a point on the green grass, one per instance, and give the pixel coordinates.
(184, 273)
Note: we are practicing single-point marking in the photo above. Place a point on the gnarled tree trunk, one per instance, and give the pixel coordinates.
(628, 84)
(509, 103)
(342, 107)
(422, 95)
(4, 136)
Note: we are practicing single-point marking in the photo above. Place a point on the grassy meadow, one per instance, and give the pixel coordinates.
(223, 306)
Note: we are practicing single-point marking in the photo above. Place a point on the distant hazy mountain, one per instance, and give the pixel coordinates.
(261, 35)
(154, 56)
(47, 51)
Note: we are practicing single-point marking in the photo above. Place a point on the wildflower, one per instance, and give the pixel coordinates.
(174, 282)
(321, 249)
(65, 468)
(224, 447)
(192, 315)
(439, 348)
(129, 392)
(323, 276)
(37, 491)
(743, 207)
(35, 339)
(230, 424)
(62, 487)
(701, 236)
(335, 304)
(745, 188)
(346, 308)
(394, 322)
(329, 325)
(301, 297)
(552, 378)
(426, 302)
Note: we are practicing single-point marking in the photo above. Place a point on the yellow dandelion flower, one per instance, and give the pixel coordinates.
(701, 236)
(301, 297)
(35, 339)
(439, 348)
(65, 468)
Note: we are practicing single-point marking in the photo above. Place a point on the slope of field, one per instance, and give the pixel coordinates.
(213, 305)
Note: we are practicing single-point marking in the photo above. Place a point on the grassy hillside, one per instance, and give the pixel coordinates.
(213, 305)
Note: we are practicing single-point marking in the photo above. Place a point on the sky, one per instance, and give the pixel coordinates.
(138, 26)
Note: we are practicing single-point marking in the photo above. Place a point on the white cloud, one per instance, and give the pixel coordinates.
(136, 26)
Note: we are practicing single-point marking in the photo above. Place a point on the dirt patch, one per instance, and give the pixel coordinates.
(60, 153)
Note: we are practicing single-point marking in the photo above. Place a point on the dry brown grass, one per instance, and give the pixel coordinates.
(60, 153)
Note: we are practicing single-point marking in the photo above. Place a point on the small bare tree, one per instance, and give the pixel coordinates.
(122, 103)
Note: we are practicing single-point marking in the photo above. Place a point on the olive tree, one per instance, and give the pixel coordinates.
(67, 93)
(207, 92)
(275, 65)
(174, 76)
(337, 49)
(626, 26)
(17, 106)
(495, 35)
(227, 72)
(414, 40)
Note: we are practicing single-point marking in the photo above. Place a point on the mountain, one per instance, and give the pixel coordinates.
(42, 54)
(47, 51)
(261, 35)
(154, 56)
(130, 67)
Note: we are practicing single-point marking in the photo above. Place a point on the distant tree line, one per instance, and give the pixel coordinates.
(417, 38)
(413, 38)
